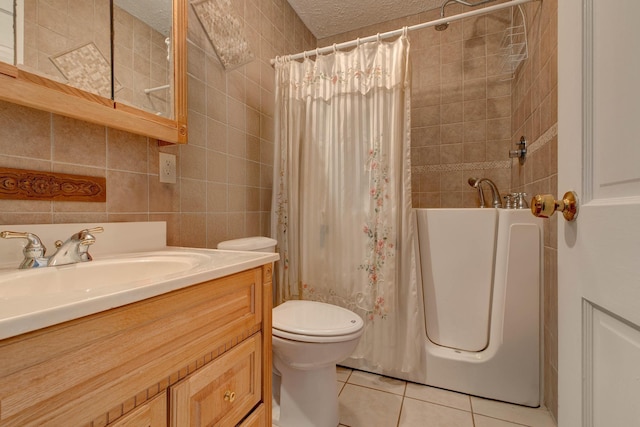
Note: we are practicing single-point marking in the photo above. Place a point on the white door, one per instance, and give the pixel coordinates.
(599, 252)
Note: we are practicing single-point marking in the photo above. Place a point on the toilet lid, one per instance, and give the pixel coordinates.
(315, 319)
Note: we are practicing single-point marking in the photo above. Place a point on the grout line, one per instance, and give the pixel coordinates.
(515, 423)
(400, 411)
(376, 389)
(473, 415)
(450, 167)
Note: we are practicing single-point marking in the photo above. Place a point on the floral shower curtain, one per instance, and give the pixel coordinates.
(342, 195)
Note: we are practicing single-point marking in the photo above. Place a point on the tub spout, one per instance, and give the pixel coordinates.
(496, 200)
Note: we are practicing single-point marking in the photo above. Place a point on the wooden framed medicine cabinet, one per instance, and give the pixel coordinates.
(25, 86)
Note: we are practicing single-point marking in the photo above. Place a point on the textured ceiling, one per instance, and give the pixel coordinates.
(326, 18)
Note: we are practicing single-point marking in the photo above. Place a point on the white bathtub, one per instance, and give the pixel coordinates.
(481, 271)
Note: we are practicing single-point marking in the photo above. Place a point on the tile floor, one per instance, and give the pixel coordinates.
(369, 400)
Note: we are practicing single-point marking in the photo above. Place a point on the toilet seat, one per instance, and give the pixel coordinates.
(312, 321)
(314, 339)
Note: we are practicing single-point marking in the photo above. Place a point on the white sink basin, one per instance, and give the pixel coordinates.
(92, 277)
(33, 299)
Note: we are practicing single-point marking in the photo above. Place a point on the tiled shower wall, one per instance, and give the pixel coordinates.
(224, 173)
(461, 105)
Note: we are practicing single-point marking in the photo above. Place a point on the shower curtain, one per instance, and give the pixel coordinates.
(341, 207)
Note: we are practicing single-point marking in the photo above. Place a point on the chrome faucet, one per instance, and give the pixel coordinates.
(74, 250)
(496, 200)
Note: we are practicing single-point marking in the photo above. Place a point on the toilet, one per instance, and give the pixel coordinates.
(309, 338)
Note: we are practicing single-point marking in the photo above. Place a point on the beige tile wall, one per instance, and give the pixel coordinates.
(224, 173)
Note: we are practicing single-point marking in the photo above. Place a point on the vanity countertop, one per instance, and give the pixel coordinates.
(131, 262)
(37, 298)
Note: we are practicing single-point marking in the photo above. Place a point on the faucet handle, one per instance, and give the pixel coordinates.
(509, 200)
(85, 236)
(34, 245)
(88, 231)
(521, 201)
(86, 239)
(33, 251)
(94, 230)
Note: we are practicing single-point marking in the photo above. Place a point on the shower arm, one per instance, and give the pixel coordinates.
(463, 2)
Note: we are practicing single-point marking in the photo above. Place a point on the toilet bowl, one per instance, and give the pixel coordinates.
(309, 338)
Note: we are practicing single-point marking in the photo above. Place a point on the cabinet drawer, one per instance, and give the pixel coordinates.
(223, 392)
(151, 414)
(256, 419)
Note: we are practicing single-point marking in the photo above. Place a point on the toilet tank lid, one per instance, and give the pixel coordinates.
(247, 244)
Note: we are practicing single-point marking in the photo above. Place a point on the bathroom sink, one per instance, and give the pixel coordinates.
(36, 298)
(91, 277)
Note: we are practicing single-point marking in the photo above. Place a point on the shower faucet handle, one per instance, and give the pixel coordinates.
(516, 201)
(521, 152)
(520, 201)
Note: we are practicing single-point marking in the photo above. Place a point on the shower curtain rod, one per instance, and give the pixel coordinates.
(398, 32)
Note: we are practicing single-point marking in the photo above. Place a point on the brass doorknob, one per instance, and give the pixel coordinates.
(545, 205)
(229, 396)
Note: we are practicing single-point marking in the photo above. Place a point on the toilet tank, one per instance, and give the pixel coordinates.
(253, 244)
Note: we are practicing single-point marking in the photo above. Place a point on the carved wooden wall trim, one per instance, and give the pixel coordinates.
(22, 184)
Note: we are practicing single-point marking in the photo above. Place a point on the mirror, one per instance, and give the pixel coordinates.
(142, 54)
(7, 37)
(68, 42)
(58, 57)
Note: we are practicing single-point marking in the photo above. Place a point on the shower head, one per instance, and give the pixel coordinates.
(473, 181)
(442, 27)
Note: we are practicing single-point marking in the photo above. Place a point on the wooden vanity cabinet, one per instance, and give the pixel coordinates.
(196, 356)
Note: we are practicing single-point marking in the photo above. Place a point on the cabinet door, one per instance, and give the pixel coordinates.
(151, 414)
(222, 393)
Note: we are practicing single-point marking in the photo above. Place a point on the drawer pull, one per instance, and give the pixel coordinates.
(229, 396)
